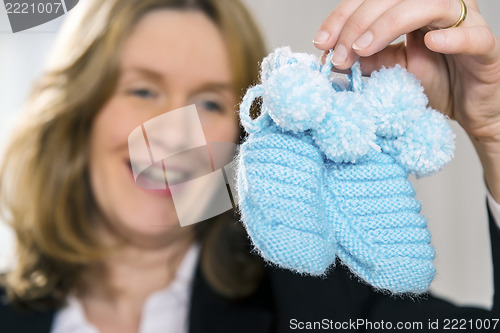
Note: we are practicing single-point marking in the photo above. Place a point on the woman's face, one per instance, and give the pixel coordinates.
(172, 59)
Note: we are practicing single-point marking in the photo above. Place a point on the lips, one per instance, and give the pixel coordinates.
(153, 177)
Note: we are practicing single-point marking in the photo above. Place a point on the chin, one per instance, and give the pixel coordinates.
(152, 234)
(153, 219)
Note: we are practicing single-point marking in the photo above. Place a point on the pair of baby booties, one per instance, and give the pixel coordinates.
(323, 171)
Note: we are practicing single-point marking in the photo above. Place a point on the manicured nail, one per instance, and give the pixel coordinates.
(339, 55)
(363, 41)
(321, 37)
(438, 37)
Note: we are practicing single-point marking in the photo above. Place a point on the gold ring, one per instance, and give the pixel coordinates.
(463, 15)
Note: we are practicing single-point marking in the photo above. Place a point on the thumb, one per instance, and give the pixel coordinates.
(476, 40)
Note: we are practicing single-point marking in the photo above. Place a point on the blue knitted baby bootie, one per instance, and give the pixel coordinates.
(381, 235)
(323, 172)
(280, 196)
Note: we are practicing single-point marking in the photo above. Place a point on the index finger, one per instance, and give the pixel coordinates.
(330, 29)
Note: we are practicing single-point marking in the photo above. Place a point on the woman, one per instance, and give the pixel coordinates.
(87, 259)
(85, 220)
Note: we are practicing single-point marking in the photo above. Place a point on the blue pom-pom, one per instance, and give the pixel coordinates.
(348, 131)
(427, 144)
(390, 93)
(284, 56)
(296, 97)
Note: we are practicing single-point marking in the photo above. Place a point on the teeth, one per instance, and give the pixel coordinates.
(175, 177)
(155, 174)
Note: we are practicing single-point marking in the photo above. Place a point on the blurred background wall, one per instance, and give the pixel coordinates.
(453, 200)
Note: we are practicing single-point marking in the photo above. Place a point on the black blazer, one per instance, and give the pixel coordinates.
(287, 302)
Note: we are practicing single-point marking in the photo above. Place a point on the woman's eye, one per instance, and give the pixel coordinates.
(211, 106)
(143, 93)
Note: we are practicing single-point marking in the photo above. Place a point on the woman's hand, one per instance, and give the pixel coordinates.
(458, 67)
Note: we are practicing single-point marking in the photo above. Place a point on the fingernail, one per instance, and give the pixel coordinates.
(438, 37)
(339, 55)
(321, 37)
(363, 41)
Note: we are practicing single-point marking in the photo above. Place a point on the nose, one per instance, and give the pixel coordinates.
(173, 132)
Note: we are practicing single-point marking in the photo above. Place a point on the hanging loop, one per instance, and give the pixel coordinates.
(251, 125)
(355, 78)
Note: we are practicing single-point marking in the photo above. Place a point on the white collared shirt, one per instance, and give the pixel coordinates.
(494, 209)
(164, 311)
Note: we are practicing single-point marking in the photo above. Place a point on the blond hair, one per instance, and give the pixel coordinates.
(45, 193)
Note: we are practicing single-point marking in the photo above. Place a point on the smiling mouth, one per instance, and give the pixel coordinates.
(158, 176)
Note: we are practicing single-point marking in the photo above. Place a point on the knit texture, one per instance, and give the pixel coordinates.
(323, 172)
